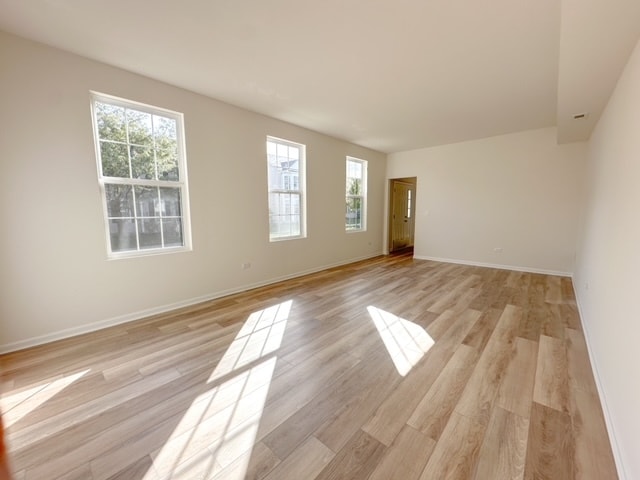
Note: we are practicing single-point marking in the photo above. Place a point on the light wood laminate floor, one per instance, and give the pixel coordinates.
(390, 368)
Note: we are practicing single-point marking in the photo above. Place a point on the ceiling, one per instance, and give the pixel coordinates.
(389, 75)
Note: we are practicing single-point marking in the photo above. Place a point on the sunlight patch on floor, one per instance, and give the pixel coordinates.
(260, 335)
(17, 405)
(406, 341)
(216, 434)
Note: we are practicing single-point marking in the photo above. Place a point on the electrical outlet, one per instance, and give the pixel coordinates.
(245, 265)
(498, 250)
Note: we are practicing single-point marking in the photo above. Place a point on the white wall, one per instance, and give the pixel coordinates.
(55, 278)
(607, 279)
(520, 192)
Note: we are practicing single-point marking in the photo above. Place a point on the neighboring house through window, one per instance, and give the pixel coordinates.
(143, 177)
(286, 167)
(355, 219)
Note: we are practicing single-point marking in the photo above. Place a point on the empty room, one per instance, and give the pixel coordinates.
(294, 240)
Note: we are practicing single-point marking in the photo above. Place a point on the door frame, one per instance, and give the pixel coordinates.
(413, 181)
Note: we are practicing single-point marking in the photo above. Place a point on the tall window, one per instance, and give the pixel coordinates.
(286, 162)
(355, 219)
(143, 177)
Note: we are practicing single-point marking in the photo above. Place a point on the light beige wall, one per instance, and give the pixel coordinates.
(55, 278)
(608, 263)
(518, 192)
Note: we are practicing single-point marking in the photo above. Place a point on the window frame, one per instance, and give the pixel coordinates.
(300, 190)
(363, 196)
(181, 184)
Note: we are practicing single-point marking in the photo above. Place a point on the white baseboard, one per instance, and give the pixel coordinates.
(514, 268)
(130, 317)
(603, 399)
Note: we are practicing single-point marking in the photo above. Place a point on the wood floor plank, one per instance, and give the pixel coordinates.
(519, 291)
(550, 445)
(579, 367)
(459, 298)
(513, 278)
(552, 323)
(553, 289)
(504, 448)
(292, 397)
(552, 379)
(306, 461)
(441, 324)
(455, 456)
(357, 460)
(138, 469)
(327, 363)
(494, 292)
(535, 311)
(286, 437)
(478, 396)
(594, 457)
(433, 412)
(479, 334)
(254, 464)
(83, 472)
(184, 395)
(316, 343)
(350, 417)
(566, 287)
(406, 457)
(570, 316)
(516, 390)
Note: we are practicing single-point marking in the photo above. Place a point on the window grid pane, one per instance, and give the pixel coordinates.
(155, 205)
(140, 170)
(285, 163)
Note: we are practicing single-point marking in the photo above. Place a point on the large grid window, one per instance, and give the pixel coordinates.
(286, 162)
(142, 174)
(355, 217)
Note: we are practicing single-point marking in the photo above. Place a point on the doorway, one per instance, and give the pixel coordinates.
(402, 208)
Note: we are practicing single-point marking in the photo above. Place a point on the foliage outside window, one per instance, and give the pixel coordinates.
(142, 174)
(286, 163)
(355, 218)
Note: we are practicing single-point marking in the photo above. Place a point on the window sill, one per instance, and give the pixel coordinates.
(147, 253)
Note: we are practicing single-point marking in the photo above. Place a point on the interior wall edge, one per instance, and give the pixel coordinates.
(139, 315)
